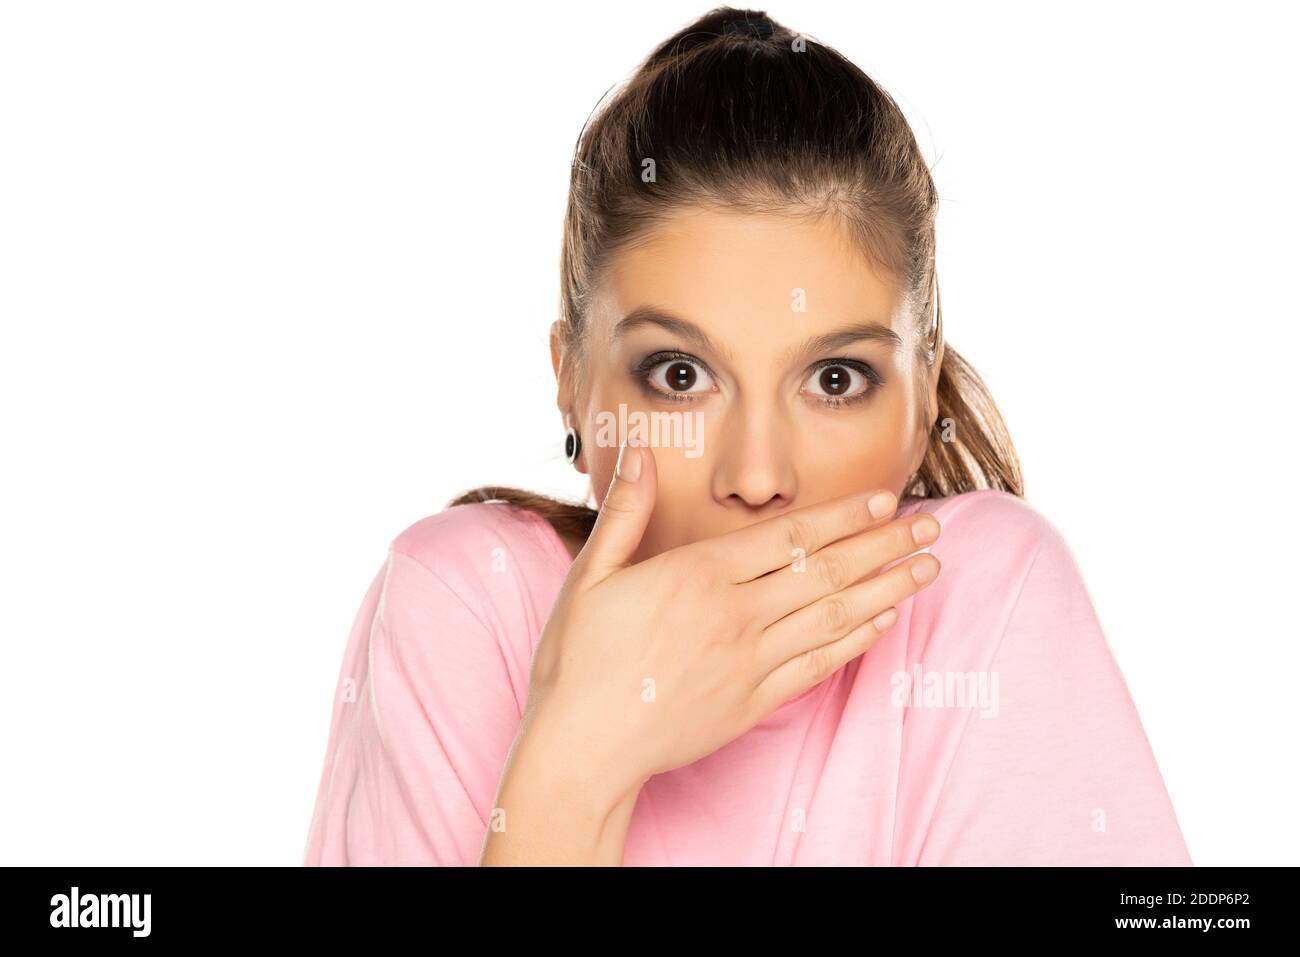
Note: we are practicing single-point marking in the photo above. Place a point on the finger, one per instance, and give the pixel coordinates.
(812, 669)
(836, 567)
(623, 516)
(803, 633)
(778, 541)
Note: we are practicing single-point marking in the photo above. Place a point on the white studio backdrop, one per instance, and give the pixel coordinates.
(276, 280)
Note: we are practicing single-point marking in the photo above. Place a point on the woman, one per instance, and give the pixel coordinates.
(749, 655)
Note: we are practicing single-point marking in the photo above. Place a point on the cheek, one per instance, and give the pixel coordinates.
(682, 472)
(843, 452)
(683, 502)
(600, 443)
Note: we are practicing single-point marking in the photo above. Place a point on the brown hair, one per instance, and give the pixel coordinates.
(739, 111)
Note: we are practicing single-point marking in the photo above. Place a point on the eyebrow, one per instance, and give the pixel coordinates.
(829, 342)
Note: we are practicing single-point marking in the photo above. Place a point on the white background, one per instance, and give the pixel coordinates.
(276, 279)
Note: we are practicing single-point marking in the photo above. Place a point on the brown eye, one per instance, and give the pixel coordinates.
(681, 376)
(679, 379)
(834, 380)
(837, 383)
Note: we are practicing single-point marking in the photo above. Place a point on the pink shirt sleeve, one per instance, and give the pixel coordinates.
(427, 707)
(1058, 771)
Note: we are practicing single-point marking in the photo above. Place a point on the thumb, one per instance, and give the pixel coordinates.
(623, 515)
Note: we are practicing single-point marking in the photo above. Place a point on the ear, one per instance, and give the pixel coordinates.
(563, 379)
(935, 370)
(562, 364)
(557, 353)
(926, 430)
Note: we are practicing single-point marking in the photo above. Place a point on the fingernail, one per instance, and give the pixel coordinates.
(881, 504)
(628, 467)
(922, 572)
(885, 619)
(925, 530)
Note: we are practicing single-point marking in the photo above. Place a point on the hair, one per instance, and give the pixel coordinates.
(739, 111)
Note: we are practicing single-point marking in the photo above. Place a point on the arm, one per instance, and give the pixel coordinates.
(423, 720)
(1057, 770)
(426, 715)
(543, 817)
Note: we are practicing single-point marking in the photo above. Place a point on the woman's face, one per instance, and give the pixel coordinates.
(767, 363)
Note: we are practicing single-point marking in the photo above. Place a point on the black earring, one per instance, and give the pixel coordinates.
(572, 444)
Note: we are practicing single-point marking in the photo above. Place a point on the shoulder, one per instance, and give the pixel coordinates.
(990, 523)
(456, 612)
(996, 552)
(1004, 568)
(478, 539)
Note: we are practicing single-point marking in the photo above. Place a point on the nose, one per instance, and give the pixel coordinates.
(753, 467)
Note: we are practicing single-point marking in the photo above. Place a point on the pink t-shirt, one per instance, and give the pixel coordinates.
(990, 726)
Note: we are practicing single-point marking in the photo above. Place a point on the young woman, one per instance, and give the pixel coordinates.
(749, 654)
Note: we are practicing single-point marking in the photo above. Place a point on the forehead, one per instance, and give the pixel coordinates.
(743, 277)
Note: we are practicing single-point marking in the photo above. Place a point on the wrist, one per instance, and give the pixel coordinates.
(549, 818)
(557, 768)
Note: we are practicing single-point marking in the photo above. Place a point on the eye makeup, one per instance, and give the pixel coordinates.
(681, 365)
(829, 373)
(660, 373)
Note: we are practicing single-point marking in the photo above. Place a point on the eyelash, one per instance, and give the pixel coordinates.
(641, 371)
